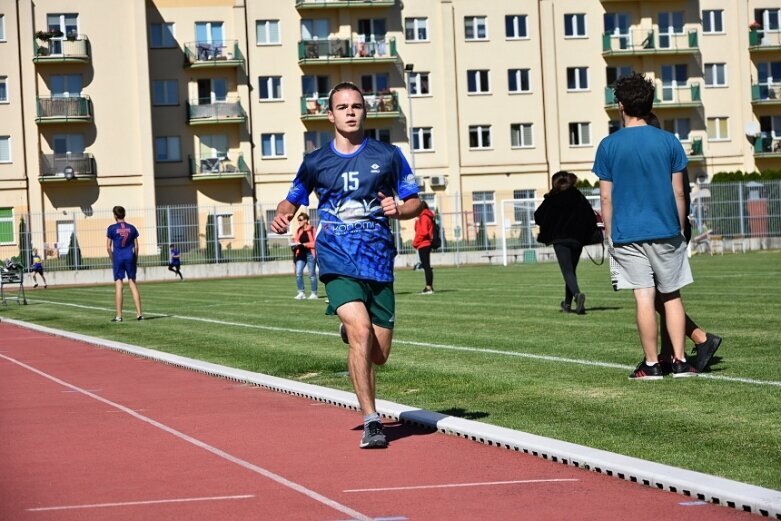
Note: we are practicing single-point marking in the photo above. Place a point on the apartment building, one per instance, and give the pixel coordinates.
(187, 104)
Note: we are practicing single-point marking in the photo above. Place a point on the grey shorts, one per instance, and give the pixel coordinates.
(663, 264)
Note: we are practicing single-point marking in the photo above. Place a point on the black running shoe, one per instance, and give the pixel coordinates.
(140, 317)
(373, 437)
(646, 372)
(705, 351)
(565, 308)
(343, 334)
(580, 304)
(683, 369)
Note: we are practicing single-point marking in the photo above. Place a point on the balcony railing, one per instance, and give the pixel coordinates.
(211, 168)
(57, 50)
(765, 94)
(649, 41)
(760, 40)
(338, 50)
(53, 167)
(684, 96)
(213, 54)
(206, 111)
(329, 4)
(378, 105)
(696, 153)
(767, 146)
(57, 109)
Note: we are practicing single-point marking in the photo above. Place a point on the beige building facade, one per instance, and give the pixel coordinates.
(163, 104)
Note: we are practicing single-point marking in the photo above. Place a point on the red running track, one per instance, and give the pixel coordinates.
(92, 434)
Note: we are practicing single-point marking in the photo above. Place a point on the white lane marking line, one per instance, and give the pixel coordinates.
(468, 349)
(692, 503)
(198, 443)
(458, 485)
(134, 503)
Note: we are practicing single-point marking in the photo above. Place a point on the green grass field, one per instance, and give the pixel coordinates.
(490, 345)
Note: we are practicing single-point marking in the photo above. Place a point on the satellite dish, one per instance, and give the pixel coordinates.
(752, 129)
(69, 173)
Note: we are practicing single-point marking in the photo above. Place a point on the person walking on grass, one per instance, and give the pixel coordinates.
(643, 205)
(304, 256)
(38, 270)
(567, 221)
(122, 248)
(424, 235)
(355, 179)
(175, 261)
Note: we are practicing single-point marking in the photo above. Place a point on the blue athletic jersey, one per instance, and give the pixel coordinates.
(640, 161)
(175, 257)
(354, 237)
(123, 236)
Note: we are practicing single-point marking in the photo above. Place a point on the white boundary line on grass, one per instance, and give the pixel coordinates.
(448, 347)
(734, 494)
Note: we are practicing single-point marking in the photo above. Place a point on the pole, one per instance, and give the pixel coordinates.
(409, 110)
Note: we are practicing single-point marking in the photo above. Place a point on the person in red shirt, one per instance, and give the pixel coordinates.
(424, 234)
(304, 256)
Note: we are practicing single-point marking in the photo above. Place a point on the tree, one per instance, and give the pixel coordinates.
(260, 241)
(213, 246)
(73, 257)
(25, 245)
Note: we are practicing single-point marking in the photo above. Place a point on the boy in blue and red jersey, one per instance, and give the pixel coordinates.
(122, 248)
(355, 179)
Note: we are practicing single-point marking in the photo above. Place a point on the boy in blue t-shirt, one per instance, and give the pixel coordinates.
(643, 206)
(355, 179)
(122, 248)
(38, 269)
(175, 262)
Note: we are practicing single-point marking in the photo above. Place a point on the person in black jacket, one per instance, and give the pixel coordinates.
(567, 221)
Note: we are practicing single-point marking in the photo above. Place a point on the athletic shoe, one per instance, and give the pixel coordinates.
(343, 333)
(300, 296)
(35, 285)
(313, 296)
(683, 369)
(565, 308)
(705, 351)
(45, 286)
(373, 437)
(426, 291)
(140, 317)
(580, 304)
(116, 319)
(646, 372)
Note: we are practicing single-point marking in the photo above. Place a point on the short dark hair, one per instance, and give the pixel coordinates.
(345, 85)
(119, 212)
(636, 94)
(562, 180)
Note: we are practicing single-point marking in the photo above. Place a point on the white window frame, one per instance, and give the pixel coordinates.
(714, 74)
(571, 25)
(379, 134)
(274, 138)
(675, 126)
(415, 84)
(166, 86)
(482, 133)
(578, 74)
(487, 199)
(478, 75)
(7, 139)
(4, 83)
(476, 22)
(169, 145)
(520, 27)
(10, 220)
(519, 73)
(264, 27)
(581, 142)
(223, 219)
(273, 84)
(418, 24)
(717, 121)
(165, 43)
(519, 128)
(2, 28)
(715, 17)
(420, 137)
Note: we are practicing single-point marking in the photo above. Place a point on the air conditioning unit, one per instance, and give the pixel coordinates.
(421, 182)
(437, 181)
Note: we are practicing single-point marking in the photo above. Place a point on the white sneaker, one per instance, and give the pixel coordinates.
(300, 296)
(313, 296)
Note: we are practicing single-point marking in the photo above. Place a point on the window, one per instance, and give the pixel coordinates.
(418, 84)
(3, 89)
(165, 92)
(375, 82)
(617, 25)
(674, 77)
(475, 28)
(515, 26)
(416, 29)
(2, 28)
(518, 80)
(421, 139)
(273, 145)
(168, 149)
(712, 21)
(213, 146)
(267, 32)
(575, 25)
(483, 207)
(224, 226)
(209, 32)
(68, 24)
(380, 134)
(64, 144)
(715, 75)
(314, 140)
(316, 29)
(613, 73)
(681, 127)
(524, 211)
(579, 134)
(270, 87)
(521, 135)
(7, 226)
(768, 18)
(718, 129)
(670, 24)
(480, 136)
(613, 125)
(315, 86)
(477, 82)
(577, 78)
(769, 72)
(5, 149)
(162, 36)
(65, 85)
(372, 29)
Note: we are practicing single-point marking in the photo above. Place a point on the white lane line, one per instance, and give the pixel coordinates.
(134, 503)
(198, 443)
(692, 503)
(396, 341)
(459, 485)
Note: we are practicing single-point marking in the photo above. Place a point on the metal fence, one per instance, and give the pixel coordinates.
(480, 221)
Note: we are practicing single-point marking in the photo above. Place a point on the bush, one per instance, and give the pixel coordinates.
(213, 246)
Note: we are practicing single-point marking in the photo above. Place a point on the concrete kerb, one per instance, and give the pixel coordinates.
(720, 491)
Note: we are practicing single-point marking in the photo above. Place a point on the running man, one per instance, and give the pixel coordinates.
(355, 179)
(38, 269)
(175, 261)
(122, 248)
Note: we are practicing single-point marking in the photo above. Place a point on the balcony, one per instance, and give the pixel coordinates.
(208, 112)
(62, 50)
(379, 105)
(767, 147)
(764, 41)
(56, 109)
(213, 54)
(641, 42)
(678, 97)
(342, 4)
(340, 51)
(696, 154)
(765, 94)
(53, 167)
(216, 168)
